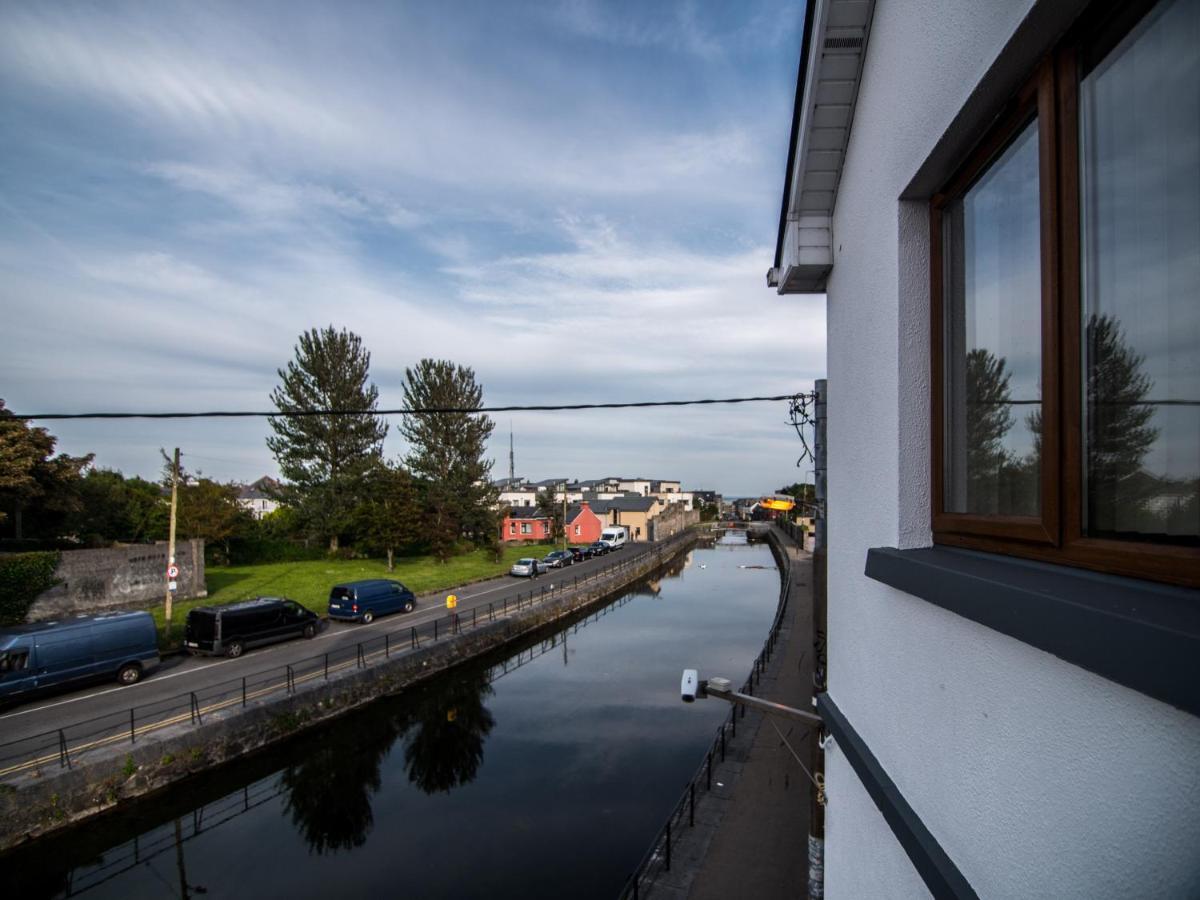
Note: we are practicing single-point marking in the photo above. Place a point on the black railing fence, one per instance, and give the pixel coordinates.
(658, 857)
(64, 746)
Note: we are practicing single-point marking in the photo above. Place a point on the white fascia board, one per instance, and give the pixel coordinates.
(839, 41)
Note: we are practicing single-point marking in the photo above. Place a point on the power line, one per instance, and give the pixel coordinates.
(433, 410)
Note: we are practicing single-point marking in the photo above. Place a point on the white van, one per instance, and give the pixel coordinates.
(615, 537)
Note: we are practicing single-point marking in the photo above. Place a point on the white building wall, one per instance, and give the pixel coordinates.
(1037, 777)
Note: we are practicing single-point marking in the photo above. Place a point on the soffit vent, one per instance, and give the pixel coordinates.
(843, 43)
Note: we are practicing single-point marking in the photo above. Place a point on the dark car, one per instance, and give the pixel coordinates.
(599, 548)
(362, 601)
(213, 630)
(53, 655)
(579, 554)
(559, 558)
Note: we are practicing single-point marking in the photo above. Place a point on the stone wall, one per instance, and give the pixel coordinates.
(672, 520)
(125, 577)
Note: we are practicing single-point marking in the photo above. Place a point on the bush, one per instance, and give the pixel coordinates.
(22, 578)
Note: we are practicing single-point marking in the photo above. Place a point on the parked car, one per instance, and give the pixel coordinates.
(599, 548)
(559, 558)
(362, 601)
(50, 655)
(581, 553)
(527, 568)
(615, 536)
(232, 629)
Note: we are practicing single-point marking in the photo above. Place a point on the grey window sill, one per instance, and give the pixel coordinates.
(1140, 634)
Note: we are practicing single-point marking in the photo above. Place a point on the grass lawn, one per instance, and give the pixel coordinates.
(308, 582)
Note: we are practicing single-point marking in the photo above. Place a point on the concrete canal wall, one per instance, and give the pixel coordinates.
(106, 778)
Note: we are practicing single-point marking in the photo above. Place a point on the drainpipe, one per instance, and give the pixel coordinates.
(816, 817)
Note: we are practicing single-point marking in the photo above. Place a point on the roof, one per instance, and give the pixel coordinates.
(575, 509)
(831, 59)
(527, 512)
(624, 504)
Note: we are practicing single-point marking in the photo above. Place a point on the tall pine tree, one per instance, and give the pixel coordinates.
(323, 457)
(446, 451)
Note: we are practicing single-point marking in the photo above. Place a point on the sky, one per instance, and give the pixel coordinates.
(579, 200)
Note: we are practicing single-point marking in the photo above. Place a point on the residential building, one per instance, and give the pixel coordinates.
(525, 525)
(517, 497)
(583, 526)
(633, 512)
(259, 498)
(1001, 201)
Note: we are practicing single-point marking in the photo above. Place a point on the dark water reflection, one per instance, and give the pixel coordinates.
(540, 773)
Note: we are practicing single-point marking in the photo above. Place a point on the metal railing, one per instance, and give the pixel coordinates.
(62, 747)
(657, 858)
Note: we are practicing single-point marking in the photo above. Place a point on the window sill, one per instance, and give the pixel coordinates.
(1143, 635)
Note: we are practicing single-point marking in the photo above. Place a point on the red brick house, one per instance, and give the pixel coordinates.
(525, 524)
(583, 525)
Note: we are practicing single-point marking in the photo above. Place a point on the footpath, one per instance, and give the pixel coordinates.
(750, 837)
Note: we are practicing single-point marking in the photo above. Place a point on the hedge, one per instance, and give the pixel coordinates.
(22, 578)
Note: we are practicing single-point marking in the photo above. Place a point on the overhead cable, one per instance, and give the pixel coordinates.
(432, 410)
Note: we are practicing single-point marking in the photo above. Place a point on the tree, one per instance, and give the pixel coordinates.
(550, 506)
(323, 457)
(116, 508)
(209, 510)
(389, 517)
(30, 473)
(446, 450)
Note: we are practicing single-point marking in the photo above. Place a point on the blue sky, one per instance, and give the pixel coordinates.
(578, 200)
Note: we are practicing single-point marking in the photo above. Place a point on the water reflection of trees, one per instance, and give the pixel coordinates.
(329, 792)
(1122, 496)
(443, 747)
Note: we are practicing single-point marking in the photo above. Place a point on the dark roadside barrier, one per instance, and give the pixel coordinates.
(64, 747)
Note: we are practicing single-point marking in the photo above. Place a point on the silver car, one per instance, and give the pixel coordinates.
(527, 568)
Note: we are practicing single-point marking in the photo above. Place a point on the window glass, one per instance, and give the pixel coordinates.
(993, 338)
(1140, 254)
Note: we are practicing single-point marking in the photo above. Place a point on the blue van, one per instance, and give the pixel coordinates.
(43, 655)
(362, 601)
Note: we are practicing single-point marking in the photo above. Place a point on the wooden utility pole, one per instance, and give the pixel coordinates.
(564, 522)
(171, 581)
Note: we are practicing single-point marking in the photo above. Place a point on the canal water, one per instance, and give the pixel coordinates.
(543, 771)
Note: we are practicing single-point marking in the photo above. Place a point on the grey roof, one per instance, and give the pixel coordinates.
(527, 512)
(623, 504)
(551, 482)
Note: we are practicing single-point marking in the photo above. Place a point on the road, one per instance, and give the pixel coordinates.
(179, 675)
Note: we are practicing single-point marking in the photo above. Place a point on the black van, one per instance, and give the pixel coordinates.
(213, 630)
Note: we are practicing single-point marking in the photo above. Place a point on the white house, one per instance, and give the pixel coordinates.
(259, 498)
(1001, 202)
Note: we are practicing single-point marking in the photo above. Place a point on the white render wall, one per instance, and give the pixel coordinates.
(1037, 777)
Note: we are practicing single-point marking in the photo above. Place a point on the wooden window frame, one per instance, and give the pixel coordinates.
(1051, 95)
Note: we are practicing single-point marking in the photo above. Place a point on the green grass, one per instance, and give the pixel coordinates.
(308, 582)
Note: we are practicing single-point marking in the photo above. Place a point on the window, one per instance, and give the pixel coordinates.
(1065, 321)
(14, 661)
(577, 530)
(512, 527)
(525, 529)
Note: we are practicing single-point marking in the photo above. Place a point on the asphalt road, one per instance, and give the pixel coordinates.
(180, 674)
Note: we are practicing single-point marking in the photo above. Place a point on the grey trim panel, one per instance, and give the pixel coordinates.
(1140, 634)
(936, 869)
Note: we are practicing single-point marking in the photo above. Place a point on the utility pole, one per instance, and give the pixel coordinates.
(171, 578)
(564, 521)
